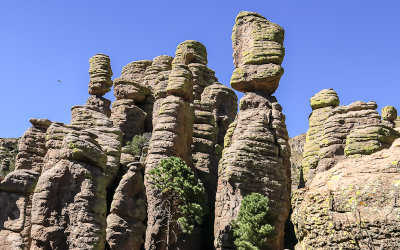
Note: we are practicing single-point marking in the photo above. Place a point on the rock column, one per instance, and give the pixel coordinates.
(256, 154)
(172, 136)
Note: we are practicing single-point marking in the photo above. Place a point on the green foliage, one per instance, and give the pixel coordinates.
(175, 179)
(253, 228)
(135, 146)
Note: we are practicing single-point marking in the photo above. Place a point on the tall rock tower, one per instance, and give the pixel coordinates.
(256, 154)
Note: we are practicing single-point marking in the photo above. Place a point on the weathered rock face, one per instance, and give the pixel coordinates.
(258, 53)
(256, 154)
(350, 157)
(389, 116)
(100, 75)
(353, 205)
(125, 226)
(8, 151)
(56, 197)
(172, 136)
(329, 126)
(297, 148)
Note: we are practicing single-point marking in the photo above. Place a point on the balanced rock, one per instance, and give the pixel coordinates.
(130, 84)
(324, 98)
(389, 113)
(256, 154)
(100, 75)
(190, 51)
(258, 53)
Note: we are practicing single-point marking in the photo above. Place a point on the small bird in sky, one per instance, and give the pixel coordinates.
(59, 81)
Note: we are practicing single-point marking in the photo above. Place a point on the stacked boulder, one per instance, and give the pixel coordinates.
(129, 91)
(100, 75)
(56, 197)
(330, 124)
(256, 154)
(389, 116)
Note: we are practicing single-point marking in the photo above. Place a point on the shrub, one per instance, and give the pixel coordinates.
(253, 227)
(135, 146)
(182, 190)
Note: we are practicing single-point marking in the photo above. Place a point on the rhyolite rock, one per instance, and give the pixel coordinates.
(353, 205)
(389, 116)
(258, 53)
(172, 136)
(100, 75)
(8, 151)
(256, 154)
(329, 126)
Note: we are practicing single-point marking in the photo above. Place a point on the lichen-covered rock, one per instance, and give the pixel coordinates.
(258, 53)
(180, 82)
(125, 228)
(297, 148)
(128, 117)
(100, 75)
(130, 84)
(20, 181)
(389, 113)
(172, 136)
(256, 159)
(8, 152)
(103, 104)
(324, 98)
(353, 205)
(31, 147)
(190, 51)
(329, 126)
(368, 139)
(256, 154)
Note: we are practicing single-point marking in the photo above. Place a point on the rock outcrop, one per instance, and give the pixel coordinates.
(8, 151)
(172, 136)
(329, 126)
(350, 164)
(256, 154)
(353, 205)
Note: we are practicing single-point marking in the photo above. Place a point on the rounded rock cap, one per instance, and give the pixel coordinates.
(389, 113)
(324, 98)
(190, 51)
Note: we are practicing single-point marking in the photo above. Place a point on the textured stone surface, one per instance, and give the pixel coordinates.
(354, 205)
(329, 126)
(100, 75)
(256, 154)
(128, 117)
(297, 148)
(258, 53)
(190, 51)
(368, 139)
(8, 151)
(172, 136)
(31, 147)
(125, 228)
(324, 98)
(255, 159)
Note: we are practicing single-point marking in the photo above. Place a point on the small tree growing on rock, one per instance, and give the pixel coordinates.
(184, 196)
(253, 227)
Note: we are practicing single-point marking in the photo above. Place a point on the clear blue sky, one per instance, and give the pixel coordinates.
(350, 46)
